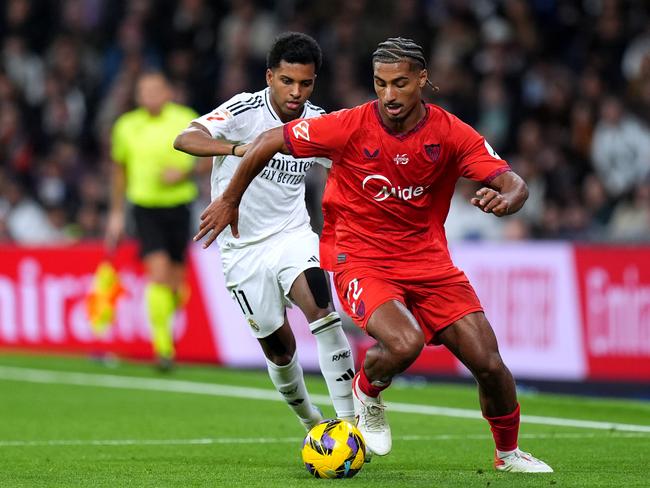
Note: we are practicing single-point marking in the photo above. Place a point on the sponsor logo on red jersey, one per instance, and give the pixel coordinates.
(383, 189)
(401, 159)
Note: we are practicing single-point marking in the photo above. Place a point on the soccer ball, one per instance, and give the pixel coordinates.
(334, 449)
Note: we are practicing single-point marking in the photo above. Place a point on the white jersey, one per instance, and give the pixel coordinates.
(275, 200)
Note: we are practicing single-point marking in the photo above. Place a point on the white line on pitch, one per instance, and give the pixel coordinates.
(179, 386)
(289, 440)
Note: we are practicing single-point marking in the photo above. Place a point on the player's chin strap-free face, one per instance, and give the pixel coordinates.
(395, 49)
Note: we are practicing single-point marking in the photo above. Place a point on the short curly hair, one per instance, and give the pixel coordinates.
(294, 47)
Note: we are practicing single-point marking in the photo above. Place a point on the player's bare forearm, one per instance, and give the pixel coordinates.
(505, 195)
(259, 152)
(118, 187)
(223, 211)
(197, 141)
(115, 221)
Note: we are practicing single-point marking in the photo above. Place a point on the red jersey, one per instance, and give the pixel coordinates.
(388, 195)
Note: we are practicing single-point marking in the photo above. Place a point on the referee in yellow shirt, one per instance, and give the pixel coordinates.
(156, 180)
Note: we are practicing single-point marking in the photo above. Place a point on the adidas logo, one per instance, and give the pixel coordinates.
(313, 259)
(289, 392)
(296, 402)
(347, 376)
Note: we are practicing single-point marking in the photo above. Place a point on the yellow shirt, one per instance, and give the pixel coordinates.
(144, 144)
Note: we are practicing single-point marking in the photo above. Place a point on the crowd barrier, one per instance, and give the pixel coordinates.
(560, 311)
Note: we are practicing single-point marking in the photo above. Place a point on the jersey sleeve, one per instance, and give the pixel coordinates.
(324, 162)
(323, 136)
(475, 157)
(228, 120)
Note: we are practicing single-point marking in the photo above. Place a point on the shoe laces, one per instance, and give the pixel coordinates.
(525, 456)
(373, 416)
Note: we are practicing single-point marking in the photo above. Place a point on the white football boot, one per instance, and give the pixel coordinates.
(521, 462)
(371, 420)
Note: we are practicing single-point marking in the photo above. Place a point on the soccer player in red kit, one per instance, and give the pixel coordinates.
(395, 163)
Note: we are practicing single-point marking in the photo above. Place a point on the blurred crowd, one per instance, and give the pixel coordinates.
(561, 89)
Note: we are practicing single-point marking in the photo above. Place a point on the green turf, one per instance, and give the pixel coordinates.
(422, 456)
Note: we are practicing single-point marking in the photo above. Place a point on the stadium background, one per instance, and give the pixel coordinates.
(561, 89)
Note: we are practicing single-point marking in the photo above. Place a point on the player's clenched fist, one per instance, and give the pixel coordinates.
(214, 219)
(491, 201)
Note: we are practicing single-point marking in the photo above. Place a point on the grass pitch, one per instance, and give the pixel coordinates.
(74, 422)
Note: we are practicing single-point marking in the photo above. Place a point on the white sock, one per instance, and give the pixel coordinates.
(336, 362)
(290, 382)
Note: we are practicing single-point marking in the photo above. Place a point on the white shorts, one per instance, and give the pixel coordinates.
(259, 277)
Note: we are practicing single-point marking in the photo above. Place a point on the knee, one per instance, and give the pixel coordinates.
(280, 359)
(158, 267)
(314, 314)
(406, 348)
(491, 369)
(280, 347)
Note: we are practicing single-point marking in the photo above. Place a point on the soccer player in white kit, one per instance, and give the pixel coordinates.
(273, 261)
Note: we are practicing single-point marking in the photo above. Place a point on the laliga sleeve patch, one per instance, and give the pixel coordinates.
(220, 115)
(301, 130)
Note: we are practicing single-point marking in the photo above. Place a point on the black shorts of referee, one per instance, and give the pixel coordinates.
(163, 229)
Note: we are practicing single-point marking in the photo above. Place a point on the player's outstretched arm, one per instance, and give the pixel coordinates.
(197, 141)
(223, 211)
(505, 195)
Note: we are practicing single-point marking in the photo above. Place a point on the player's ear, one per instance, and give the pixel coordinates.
(422, 78)
(269, 76)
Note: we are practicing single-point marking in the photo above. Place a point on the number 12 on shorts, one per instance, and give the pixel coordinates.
(240, 298)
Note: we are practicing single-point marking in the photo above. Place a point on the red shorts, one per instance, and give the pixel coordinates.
(434, 301)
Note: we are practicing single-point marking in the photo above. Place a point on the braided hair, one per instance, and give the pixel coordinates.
(396, 49)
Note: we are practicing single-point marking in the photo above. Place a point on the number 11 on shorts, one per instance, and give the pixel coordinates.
(243, 302)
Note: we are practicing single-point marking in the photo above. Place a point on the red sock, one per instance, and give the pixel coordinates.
(505, 430)
(367, 387)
